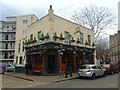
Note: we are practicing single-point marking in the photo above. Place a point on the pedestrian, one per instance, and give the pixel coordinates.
(26, 68)
(29, 68)
(68, 68)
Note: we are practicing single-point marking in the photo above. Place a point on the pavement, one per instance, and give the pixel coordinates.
(41, 78)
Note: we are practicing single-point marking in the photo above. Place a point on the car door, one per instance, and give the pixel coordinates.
(100, 71)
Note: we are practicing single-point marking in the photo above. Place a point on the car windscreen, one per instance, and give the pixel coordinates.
(85, 67)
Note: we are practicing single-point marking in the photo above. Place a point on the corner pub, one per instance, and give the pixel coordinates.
(52, 38)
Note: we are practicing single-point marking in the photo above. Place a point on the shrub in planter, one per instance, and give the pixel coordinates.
(42, 37)
(93, 44)
(78, 41)
(72, 40)
(86, 43)
(47, 36)
(61, 37)
(55, 36)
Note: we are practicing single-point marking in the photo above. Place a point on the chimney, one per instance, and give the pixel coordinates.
(50, 12)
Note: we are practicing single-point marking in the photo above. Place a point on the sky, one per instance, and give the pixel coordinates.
(63, 8)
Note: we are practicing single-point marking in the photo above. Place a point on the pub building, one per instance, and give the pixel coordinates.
(52, 38)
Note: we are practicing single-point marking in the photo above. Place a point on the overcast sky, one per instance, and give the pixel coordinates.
(63, 8)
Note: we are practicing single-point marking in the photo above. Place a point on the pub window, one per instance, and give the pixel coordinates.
(31, 37)
(81, 38)
(18, 47)
(67, 36)
(39, 34)
(23, 47)
(20, 61)
(89, 40)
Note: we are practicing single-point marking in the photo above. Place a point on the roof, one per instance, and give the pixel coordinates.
(72, 22)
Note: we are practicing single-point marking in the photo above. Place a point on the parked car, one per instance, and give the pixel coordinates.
(110, 68)
(10, 67)
(2, 68)
(117, 66)
(91, 70)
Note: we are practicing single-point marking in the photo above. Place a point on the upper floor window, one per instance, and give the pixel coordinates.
(23, 47)
(89, 39)
(39, 34)
(25, 21)
(18, 47)
(81, 38)
(24, 32)
(67, 36)
(31, 37)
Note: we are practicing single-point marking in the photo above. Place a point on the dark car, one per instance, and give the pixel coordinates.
(117, 66)
(2, 69)
(110, 68)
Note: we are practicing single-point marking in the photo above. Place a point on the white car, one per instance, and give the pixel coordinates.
(10, 67)
(91, 70)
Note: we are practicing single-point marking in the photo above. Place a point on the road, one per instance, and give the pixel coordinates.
(111, 81)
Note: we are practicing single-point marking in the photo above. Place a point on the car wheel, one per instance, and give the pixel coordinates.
(104, 74)
(112, 72)
(93, 76)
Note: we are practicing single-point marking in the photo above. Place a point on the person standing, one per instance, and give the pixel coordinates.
(26, 68)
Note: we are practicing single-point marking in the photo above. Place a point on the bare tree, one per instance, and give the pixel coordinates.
(94, 17)
(101, 47)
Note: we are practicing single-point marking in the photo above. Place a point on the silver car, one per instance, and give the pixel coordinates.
(10, 67)
(91, 70)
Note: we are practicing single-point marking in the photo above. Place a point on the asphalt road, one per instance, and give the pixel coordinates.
(111, 81)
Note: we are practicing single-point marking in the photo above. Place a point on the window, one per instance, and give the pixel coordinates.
(20, 62)
(23, 47)
(16, 60)
(39, 34)
(81, 38)
(67, 37)
(7, 26)
(6, 46)
(19, 48)
(10, 45)
(6, 37)
(89, 40)
(24, 32)
(24, 21)
(31, 37)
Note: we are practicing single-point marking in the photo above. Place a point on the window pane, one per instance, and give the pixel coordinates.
(20, 62)
(24, 21)
(67, 37)
(81, 38)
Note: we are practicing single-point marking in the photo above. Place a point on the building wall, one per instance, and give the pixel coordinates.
(21, 34)
(50, 24)
(53, 23)
(7, 40)
(119, 15)
(115, 46)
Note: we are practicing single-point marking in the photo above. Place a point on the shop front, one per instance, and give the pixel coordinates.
(47, 58)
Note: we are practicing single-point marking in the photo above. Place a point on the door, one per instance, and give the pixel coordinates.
(51, 63)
